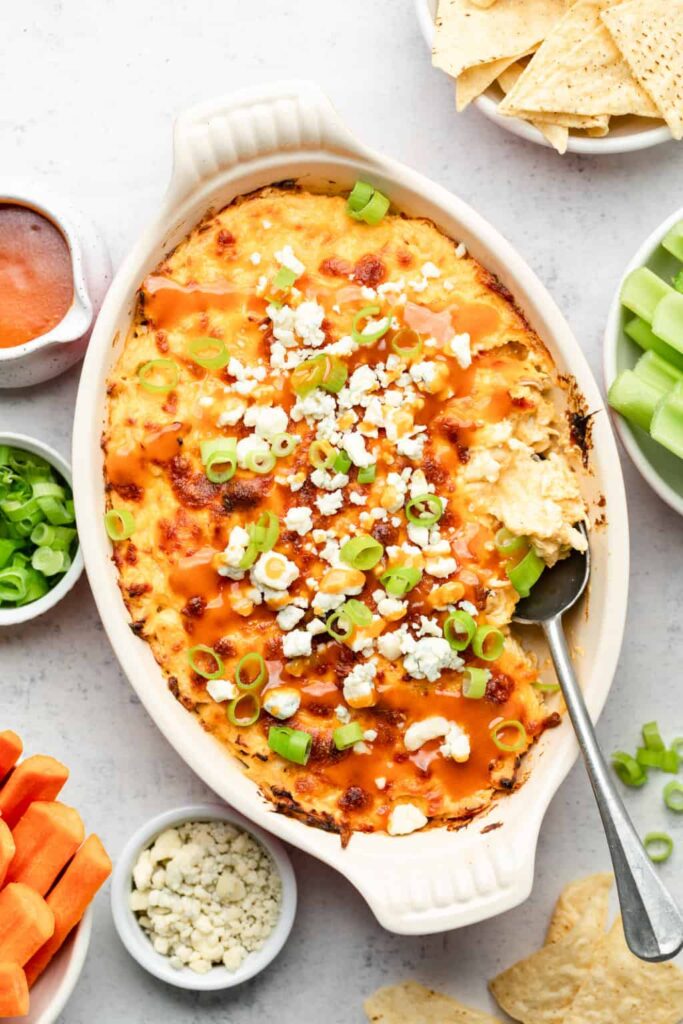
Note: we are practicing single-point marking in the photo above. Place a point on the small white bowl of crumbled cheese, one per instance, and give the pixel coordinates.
(203, 899)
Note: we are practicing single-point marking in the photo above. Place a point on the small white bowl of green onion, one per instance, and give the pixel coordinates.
(643, 360)
(40, 557)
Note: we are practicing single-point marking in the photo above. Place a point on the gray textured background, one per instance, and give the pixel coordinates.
(88, 94)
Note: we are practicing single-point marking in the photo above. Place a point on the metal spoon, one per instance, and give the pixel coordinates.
(653, 924)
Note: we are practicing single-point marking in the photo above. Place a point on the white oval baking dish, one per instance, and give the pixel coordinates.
(440, 879)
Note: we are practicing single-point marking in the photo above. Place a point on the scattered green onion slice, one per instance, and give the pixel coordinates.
(199, 650)
(152, 371)
(266, 531)
(284, 279)
(339, 626)
(334, 374)
(245, 719)
(251, 672)
(342, 463)
(60, 538)
(119, 524)
(260, 462)
(662, 760)
(652, 737)
(659, 846)
(307, 376)
(510, 748)
(356, 612)
(346, 735)
(321, 454)
(407, 343)
(459, 629)
(219, 456)
(362, 552)
(628, 769)
(546, 687)
(474, 683)
(488, 643)
(526, 573)
(366, 203)
(292, 744)
(368, 339)
(424, 510)
(673, 796)
(283, 444)
(367, 474)
(251, 553)
(400, 580)
(508, 544)
(210, 353)
(359, 196)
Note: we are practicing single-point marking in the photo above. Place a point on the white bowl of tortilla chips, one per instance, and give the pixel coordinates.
(584, 76)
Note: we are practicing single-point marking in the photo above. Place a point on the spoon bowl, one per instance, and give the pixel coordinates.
(558, 589)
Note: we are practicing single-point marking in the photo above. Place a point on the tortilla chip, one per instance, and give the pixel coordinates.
(410, 1003)
(575, 901)
(467, 36)
(474, 81)
(595, 121)
(649, 34)
(556, 135)
(579, 70)
(621, 989)
(541, 989)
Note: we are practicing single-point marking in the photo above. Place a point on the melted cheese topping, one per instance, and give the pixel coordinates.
(475, 417)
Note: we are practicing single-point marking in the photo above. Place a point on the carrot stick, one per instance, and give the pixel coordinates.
(37, 778)
(46, 837)
(7, 849)
(10, 751)
(26, 923)
(70, 899)
(13, 991)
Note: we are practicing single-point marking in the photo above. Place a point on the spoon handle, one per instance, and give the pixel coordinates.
(653, 924)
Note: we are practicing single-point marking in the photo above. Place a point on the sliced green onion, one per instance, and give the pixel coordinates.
(47, 489)
(424, 510)
(8, 545)
(359, 196)
(459, 629)
(321, 454)
(307, 376)
(238, 716)
(628, 769)
(260, 462)
(36, 586)
(13, 584)
(526, 573)
(546, 687)
(55, 511)
(284, 279)
(652, 738)
(339, 626)
(334, 374)
(210, 353)
(356, 612)
(265, 532)
(292, 744)
(488, 643)
(366, 203)
(407, 343)
(60, 538)
(283, 444)
(219, 456)
(368, 339)
(400, 580)
(342, 463)
(659, 846)
(362, 552)
(510, 748)
(251, 553)
(50, 562)
(208, 652)
(251, 672)
(508, 544)
(474, 683)
(158, 376)
(673, 796)
(367, 474)
(345, 736)
(662, 760)
(119, 524)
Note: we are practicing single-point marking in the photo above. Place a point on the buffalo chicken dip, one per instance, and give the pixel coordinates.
(336, 456)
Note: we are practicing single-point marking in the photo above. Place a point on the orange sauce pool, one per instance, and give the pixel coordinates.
(36, 279)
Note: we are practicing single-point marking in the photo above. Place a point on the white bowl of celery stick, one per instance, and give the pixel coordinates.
(643, 360)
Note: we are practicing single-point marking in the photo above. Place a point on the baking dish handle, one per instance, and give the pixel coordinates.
(213, 138)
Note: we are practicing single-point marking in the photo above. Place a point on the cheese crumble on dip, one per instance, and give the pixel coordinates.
(331, 472)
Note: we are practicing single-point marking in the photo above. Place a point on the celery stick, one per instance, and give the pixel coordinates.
(667, 421)
(642, 291)
(667, 323)
(656, 371)
(673, 241)
(643, 335)
(634, 398)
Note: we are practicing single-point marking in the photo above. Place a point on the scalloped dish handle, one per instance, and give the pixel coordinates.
(213, 138)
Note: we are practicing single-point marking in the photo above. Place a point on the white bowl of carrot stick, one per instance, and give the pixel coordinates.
(49, 874)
